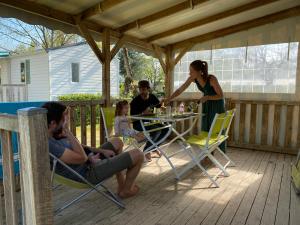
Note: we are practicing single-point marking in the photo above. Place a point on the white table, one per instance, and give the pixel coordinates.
(169, 122)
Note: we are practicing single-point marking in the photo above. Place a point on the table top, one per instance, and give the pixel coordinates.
(165, 117)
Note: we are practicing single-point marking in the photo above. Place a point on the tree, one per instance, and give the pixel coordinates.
(135, 66)
(29, 37)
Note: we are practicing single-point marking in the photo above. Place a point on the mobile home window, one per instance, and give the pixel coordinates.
(75, 72)
(25, 71)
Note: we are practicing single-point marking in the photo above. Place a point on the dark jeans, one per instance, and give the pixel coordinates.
(155, 136)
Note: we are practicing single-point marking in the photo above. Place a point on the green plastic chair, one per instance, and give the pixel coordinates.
(207, 143)
(85, 184)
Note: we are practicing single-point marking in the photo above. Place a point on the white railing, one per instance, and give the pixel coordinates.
(13, 92)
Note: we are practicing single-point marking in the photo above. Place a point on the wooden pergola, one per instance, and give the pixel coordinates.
(165, 29)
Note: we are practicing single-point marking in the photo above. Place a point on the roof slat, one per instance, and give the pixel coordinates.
(99, 8)
(295, 11)
(156, 16)
(213, 18)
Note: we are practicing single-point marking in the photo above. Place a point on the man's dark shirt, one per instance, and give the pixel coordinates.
(138, 105)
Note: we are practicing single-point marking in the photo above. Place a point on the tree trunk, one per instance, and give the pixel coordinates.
(129, 74)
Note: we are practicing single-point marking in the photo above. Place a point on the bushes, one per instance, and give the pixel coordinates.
(79, 97)
(83, 97)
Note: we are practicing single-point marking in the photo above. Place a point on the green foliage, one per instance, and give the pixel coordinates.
(79, 97)
(83, 97)
(143, 67)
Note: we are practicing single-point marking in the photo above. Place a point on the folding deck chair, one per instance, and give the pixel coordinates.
(227, 123)
(208, 142)
(85, 184)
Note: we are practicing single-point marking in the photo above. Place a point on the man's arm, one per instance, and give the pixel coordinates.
(77, 154)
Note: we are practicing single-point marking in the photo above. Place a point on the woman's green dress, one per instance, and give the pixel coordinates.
(210, 107)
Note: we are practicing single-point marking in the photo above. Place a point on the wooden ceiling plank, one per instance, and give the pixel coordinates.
(210, 19)
(62, 17)
(161, 14)
(99, 8)
(295, 11)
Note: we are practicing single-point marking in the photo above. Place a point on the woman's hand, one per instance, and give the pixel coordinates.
(204, 99)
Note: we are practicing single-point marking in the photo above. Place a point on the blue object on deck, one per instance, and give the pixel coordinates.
(12, 108)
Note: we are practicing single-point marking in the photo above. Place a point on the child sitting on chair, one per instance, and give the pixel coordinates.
(122, 123)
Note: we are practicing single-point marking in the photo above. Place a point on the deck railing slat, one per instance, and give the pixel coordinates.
(93, 125)
(83, 124)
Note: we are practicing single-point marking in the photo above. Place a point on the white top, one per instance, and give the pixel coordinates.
(122, 127)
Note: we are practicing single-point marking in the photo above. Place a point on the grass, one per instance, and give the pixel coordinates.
(88, 134)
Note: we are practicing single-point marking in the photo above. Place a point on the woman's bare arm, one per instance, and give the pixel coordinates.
(181, 89)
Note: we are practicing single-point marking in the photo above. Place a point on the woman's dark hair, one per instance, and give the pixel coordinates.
(55, 111)
(200, 66)
(119, 107)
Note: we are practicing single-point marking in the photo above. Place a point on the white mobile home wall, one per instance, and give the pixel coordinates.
(90, 72)
(5, 70)
(39, 87)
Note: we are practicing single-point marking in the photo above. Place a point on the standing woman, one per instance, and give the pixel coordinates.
(213, 98)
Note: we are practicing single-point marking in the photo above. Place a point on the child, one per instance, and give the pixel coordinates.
(122, 123)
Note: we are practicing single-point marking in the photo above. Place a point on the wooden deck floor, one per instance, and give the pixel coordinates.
(258, 191)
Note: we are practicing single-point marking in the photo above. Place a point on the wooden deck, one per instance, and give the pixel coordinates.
(258, 191)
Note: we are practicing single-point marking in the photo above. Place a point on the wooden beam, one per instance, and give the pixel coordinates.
(90, 40)
(210, 19)
(161, 14)
(159, 54)
(117, 47)
(106, 67)
(169, 78)
(68, 19)
(34, 167)
(182, 53)
(100, 8)
(295, 11)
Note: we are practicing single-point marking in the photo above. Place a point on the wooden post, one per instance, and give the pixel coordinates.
(170, 65)
(9, 179)
(35, 166)
(106, 66)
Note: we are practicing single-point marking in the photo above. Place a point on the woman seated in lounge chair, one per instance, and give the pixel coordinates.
(111, 158)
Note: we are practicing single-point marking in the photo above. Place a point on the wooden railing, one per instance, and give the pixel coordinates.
(33, 205)
(85, 121)
(261, 125)
(266, 125)
(13, 92)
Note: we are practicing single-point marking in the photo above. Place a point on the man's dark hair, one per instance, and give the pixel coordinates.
(55, 111)
(144, 84)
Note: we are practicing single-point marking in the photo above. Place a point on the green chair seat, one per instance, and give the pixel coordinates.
(201, 139)
(70, 183)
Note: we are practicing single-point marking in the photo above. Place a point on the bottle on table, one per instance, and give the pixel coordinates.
(181, 108)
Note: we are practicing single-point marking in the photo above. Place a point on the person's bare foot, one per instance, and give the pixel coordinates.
(148, 157)
(155, 154)
(127, 194)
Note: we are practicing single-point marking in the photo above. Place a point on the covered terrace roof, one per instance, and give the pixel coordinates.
(143, 23)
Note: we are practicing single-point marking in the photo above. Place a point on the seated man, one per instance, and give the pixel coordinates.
(144, 104)
(67, 148)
